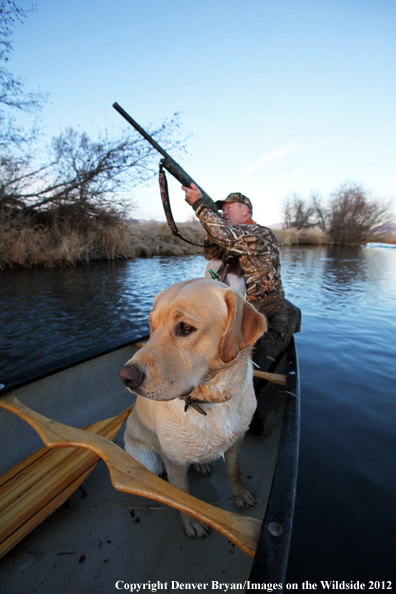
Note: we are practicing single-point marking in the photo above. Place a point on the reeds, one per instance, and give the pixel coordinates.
(155, 239)
(31, 246)
(65, 245)
(302, 237)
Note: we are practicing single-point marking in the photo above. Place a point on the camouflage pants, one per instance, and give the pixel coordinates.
(283, 319)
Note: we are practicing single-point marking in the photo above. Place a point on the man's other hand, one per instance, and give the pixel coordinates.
(192, 194)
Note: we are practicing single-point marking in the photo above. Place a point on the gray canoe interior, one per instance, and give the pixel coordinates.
(100, 536)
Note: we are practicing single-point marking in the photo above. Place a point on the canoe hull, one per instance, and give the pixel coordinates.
(85, 390)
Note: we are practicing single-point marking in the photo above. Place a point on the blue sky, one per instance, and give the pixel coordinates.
(277, 96)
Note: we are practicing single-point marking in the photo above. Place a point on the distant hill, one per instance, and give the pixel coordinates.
(390, 228)
(277, 226)
(134, 221)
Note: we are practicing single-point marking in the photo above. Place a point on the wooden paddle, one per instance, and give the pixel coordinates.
(33, 489)
(129, 476)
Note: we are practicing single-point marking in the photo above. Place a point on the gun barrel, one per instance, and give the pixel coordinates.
(169, 163)
(140, 130)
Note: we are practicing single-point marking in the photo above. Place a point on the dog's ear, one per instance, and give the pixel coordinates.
(244, 326)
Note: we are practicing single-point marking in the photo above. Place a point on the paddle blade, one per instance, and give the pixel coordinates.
(33, 489)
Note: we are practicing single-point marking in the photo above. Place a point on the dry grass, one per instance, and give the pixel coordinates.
(50, 248)
(156, 239)
(65, 246)
(317, 237)
(301, 236)
(53, 247)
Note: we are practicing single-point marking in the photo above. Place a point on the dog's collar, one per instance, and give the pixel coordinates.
(195, 402)
(221, 387)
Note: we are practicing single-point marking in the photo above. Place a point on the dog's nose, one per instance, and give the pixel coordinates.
(132, 376)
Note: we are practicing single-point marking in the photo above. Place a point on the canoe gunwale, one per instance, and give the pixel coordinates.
(23, 379)
(270, 562)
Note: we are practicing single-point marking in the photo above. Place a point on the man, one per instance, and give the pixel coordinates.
(251, 250)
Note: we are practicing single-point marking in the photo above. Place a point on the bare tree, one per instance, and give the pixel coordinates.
(354, 215)
(287, 212)
(297, 213)
(82, 178)
(321, 213)
(350, 214)
(75, 178)
(13, 95)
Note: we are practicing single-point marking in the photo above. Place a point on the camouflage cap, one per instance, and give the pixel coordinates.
(235, 197)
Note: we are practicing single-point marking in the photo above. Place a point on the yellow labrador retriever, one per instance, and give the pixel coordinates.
(194, 385)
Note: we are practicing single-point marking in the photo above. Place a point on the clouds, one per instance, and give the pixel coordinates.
(280, 153)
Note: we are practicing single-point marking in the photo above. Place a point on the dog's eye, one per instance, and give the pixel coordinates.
(184, 329)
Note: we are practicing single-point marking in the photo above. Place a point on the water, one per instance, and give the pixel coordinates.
(345, 515)
(50, 314)
(344, 527)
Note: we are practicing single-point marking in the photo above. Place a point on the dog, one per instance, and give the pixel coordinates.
(234, 277)
(194, 385)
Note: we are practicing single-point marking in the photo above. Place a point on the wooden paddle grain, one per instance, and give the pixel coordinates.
(33, 489)
(129, 476)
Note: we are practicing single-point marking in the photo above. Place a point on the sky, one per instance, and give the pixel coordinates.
(276, 96)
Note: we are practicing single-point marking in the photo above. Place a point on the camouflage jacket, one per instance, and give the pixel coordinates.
(256, 248)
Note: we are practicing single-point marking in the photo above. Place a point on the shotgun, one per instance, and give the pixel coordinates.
(167, 162)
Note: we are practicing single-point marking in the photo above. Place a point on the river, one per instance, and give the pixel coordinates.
(345, 520)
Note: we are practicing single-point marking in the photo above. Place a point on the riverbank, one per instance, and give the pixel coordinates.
(52, 247)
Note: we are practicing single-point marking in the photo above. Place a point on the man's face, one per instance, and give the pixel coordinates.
(235, 213)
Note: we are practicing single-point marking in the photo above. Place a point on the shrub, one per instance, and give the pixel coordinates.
(354, 215)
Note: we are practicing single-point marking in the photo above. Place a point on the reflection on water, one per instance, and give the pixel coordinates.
(50, 314)
(345, 515)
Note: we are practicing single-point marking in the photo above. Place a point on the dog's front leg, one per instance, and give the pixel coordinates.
(177, 475)
(243, 497)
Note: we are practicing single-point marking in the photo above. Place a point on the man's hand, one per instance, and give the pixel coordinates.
(192, 194)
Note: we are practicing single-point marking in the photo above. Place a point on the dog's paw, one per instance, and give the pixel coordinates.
(244, 499)
(204, 468)
(194, 528)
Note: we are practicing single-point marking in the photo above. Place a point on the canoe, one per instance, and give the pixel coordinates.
(85, 391)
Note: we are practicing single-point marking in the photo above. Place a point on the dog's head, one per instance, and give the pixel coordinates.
(196, 328)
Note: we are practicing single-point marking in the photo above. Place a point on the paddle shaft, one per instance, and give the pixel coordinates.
(129, 476)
